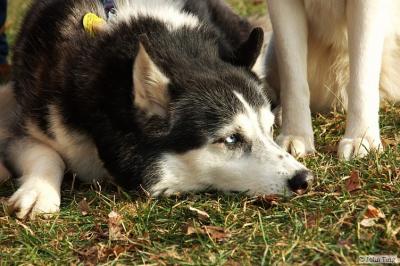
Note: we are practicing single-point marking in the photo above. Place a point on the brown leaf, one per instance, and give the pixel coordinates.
(231, 262)
(202, 215)
(371, 216)
(268, 200)
(114, 226)
(389, 142)
(89, 255)
(189, 229)
(373, 212)
(368, 222)
(214, 232)
(311, 220)
(83, 206)
(100, 253)
(353, 183)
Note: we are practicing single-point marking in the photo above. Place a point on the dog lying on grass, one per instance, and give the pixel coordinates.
(162, 98)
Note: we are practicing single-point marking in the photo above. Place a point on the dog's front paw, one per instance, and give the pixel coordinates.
(358, 147)
(296, 145)
(33, 199)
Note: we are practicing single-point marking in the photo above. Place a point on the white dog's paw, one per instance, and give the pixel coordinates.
(33, 199)
(358, 147)
(296, 145)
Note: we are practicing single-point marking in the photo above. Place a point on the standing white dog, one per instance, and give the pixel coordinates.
(343, 53)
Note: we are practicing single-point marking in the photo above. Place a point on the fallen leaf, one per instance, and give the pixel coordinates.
(389, 142)
(353, 183)
(189, 229)
(368, 222)
(371, 216)
(114, 226)
(84, 207)
(311, 220)
(373, 212)
(100, 253)
(89, 255)
(268, 200)
(202, 215)
(332, 149)
(214, 232)
(231, 262)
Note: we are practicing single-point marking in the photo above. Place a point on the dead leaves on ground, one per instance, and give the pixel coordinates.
(101, 253)
(266, 201)
(115, 226)
(311, 220)
(201, 215)
(83, 207)
(371, 216)
(353, 183)
(216, 233)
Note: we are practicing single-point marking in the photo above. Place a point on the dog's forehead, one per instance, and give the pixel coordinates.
(254, 115)
(223, 93)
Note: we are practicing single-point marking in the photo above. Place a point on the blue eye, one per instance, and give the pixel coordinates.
(233, 139)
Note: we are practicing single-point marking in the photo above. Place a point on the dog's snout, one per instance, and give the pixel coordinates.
(300, 181)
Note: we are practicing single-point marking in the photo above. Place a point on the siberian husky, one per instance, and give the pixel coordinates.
(162, 98)
(342, 53)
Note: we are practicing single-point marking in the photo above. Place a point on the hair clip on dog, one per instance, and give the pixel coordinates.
(93, 23)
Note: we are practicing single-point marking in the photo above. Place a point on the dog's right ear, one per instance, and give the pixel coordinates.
(150, 84)
(247, 53)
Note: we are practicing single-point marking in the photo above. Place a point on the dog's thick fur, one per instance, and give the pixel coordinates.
(334, 53)
(163, 98)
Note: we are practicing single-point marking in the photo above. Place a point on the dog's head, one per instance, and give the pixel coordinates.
(220, 125)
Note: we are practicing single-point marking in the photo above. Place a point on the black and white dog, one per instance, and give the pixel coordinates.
(163, 97)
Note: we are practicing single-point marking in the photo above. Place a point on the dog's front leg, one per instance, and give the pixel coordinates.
(290, 32)
(42, 170)
(366, 30)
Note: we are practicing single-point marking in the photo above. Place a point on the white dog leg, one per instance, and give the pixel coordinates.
(290, 32)
(42, 170)
(366, 26)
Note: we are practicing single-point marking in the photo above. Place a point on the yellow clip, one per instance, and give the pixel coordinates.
(93, 23)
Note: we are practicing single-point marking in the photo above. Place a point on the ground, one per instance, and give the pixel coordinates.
(353, 209)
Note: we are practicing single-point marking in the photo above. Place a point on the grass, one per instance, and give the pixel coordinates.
(323, 227)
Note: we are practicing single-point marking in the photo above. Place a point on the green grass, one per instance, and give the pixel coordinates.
(321, 227)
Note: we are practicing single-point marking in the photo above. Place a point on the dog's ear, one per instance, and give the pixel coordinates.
(150, 84)
(247, 53)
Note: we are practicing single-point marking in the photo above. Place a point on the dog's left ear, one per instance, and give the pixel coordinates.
(150, 84)
(247, 53)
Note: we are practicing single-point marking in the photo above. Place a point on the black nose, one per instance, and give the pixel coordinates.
(299, 182)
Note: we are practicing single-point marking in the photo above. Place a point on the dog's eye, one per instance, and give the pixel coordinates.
(233, 139)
